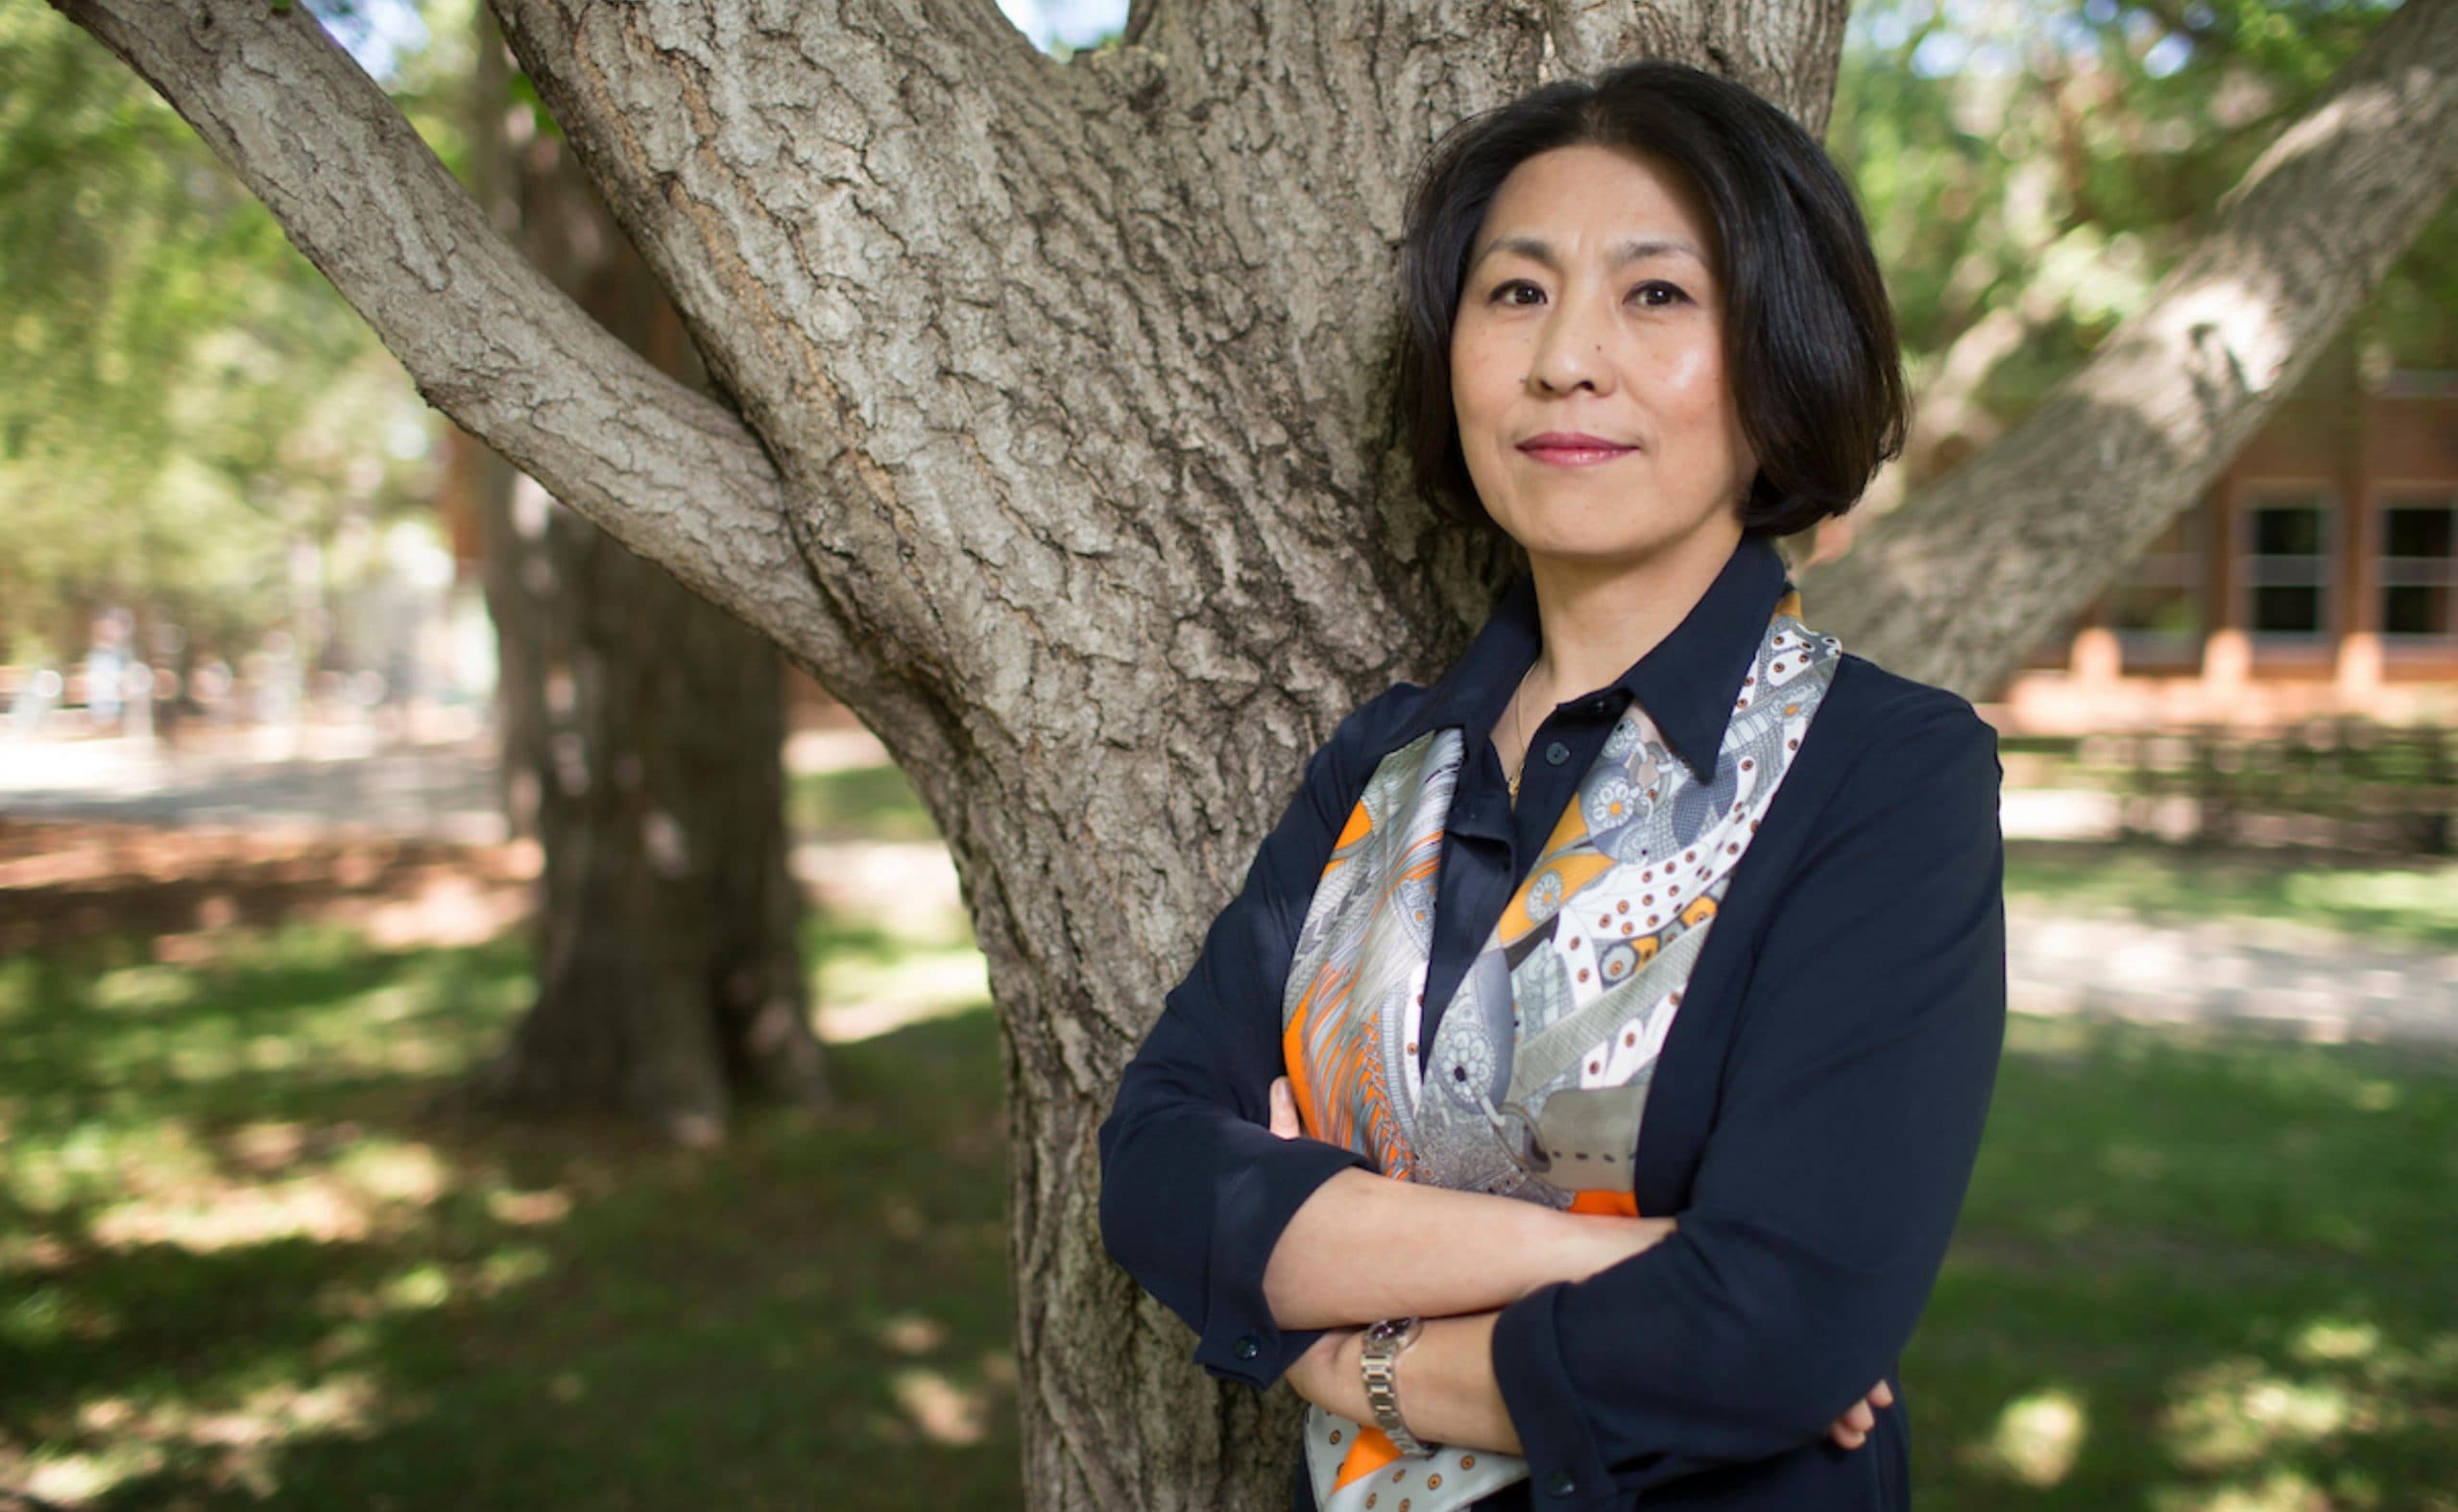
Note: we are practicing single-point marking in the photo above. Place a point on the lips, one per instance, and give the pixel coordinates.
(1573, 448)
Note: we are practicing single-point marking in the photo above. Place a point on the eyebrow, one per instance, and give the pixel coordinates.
(1537, 248)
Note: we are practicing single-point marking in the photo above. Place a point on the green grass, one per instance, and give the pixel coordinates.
(860, 802)
(2413, 903)
(240, 1267)
(236, 1264)
(2198, 1273)
(2192, 1273)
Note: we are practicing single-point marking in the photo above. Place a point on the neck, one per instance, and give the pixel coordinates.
(1597, 618)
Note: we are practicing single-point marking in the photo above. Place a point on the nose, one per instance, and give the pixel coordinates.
(1570, 353)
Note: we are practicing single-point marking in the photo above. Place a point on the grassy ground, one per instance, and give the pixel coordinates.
(2199, 1273)
(2404, 900)
(239, 1265)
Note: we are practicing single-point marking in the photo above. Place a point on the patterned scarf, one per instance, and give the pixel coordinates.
(1540, 1067)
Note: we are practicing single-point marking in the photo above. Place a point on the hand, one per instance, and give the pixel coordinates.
(1852, 1430)
(1318, 1374)
(1284, 1110)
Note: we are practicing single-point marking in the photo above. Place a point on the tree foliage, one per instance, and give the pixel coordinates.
(181, 396)
(2030, 171)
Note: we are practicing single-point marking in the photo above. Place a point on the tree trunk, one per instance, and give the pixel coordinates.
(1059, 446)
(642, 738)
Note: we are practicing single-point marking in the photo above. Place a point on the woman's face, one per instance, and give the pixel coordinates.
(1587, 364)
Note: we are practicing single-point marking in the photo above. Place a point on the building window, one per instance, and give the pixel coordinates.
(2419, 567)
(2287, 567)
(2156, 609)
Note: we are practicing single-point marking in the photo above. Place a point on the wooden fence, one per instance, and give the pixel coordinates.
(2344, 783)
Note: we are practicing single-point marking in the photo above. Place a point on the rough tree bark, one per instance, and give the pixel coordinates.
(1059, 443)
(642, 731)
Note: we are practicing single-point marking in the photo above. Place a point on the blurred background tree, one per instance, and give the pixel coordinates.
(2029, 171)
(643, 730)
(193, 428)
(197, 432)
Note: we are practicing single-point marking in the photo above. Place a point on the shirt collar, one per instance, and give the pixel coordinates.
(1688, 684)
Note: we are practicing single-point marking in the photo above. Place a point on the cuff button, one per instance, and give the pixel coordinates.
(1246, 1348)
(1560, 1483)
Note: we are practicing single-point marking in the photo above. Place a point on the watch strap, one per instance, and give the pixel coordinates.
(1379, 1360)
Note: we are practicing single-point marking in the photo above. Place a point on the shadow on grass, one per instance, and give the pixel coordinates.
(238, 1265)
(2198, 1272)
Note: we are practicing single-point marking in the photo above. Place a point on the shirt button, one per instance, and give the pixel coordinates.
(1246, 1348)
(1557, 753)
(1559, 1483)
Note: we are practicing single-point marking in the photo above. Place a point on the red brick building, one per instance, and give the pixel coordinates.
(2318, 576)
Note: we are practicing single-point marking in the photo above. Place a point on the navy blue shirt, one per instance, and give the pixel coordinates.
(1812, 1117)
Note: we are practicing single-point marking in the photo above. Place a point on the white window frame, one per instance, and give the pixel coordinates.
(2409, 571)
(2289, 493)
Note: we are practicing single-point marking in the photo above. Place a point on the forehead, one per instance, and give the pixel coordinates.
(1601, 194)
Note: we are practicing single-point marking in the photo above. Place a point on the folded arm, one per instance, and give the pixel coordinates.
(1453, 1397)
(1849, 1117)
(1364, 1247)
(1847, 1123)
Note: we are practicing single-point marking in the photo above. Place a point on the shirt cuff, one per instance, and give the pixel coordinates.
(1256, 1197)
(1565, 1473)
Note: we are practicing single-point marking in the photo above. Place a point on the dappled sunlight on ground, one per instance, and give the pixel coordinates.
(65, 880)
(241, 1259)
(944, 1412)
(243, 1255)
(240, 1444)
(2037, 1438)
(2198, 1271)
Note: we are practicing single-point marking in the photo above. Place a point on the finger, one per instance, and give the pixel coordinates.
(1860, 1420)
(1284, 1110)
(1882, 1394)
(1847, 1438)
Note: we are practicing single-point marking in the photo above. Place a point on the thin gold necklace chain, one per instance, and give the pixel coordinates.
(1521, 765)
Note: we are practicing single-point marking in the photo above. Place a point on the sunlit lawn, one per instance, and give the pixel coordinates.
(2409, 902)
(2192, 1272)
(238, 1266)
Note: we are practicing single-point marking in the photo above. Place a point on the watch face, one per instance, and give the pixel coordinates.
(1392, 1332)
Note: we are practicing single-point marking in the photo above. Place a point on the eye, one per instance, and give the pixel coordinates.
(1510, 290)
(1656, 293)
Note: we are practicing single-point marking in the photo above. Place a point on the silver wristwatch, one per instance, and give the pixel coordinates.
(1380, 1361)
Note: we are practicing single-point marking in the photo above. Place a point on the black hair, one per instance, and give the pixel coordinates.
(1809, 336)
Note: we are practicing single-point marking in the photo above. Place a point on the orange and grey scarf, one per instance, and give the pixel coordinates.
(1538, 1075)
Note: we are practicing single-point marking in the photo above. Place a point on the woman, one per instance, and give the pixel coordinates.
(1429, 1128)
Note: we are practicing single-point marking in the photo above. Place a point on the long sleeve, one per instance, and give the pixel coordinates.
(1196, 1189)
(1850, 1116)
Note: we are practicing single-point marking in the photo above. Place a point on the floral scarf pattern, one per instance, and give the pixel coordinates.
(1537, 1079)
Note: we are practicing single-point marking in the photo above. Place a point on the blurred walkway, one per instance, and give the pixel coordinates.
(2280, 976)
(2272, 975)
(319, 779)
(325, 779)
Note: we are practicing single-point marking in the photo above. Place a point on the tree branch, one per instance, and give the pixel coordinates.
(1783, 49)
(1954, 586)
(488, 340)
(989, 308)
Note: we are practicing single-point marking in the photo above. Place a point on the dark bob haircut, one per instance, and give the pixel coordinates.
(1809, 336)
